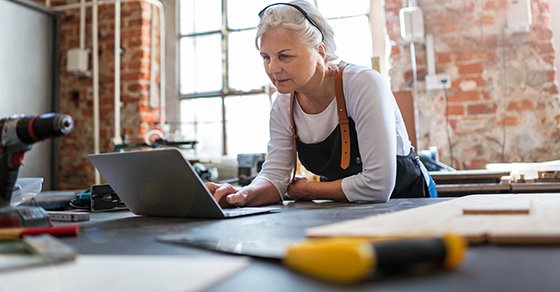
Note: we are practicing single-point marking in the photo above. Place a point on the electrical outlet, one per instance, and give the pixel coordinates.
(438, 81)
(77, 61)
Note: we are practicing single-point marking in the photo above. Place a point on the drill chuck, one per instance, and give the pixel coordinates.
(27, 129)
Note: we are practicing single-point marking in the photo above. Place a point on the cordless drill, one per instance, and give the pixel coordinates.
(17, 134)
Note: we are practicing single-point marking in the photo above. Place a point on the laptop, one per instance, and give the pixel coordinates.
(163, 183)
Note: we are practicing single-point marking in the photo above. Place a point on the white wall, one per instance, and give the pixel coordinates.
(26, 76)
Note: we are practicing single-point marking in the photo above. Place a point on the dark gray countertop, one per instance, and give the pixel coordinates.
(486, 268)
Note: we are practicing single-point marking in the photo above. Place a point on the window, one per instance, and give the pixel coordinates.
(224, 92)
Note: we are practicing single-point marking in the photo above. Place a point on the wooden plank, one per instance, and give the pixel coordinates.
(540, 226)
(513, 207)
(468, 176)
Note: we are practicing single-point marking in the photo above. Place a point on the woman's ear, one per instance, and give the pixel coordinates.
(322, 49)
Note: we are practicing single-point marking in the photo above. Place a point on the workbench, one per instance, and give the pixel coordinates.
(466, 182)
(486, 268)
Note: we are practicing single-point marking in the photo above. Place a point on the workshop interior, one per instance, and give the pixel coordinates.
(477, 83)
(478, 91)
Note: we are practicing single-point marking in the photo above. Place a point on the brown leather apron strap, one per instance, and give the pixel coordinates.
(342, 118)
(294, 135)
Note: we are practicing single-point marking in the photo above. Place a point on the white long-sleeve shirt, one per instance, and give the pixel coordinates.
(379, 125)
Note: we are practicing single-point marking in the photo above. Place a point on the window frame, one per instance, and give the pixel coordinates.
(225, 91)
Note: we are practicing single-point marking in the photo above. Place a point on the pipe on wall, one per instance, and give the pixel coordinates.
(117, 50)
(162, 97)
(95, 45)
(82, 24)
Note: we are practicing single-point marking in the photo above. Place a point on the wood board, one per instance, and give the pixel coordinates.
(499, 221)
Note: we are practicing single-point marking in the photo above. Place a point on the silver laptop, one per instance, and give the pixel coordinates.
(163, 183)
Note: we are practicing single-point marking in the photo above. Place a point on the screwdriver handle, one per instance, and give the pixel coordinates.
(349, 260)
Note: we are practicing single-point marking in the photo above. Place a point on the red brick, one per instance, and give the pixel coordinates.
(471, 68)
(464, 96)
(131, 33)
(491, 41)
(443, 58)
(495, 5)
(138, 87)
(395, 50)
(481, 108)
(550, 58)
(545, 48)
(419, 72)
(511, 121)
(551, 74)
(73, 43)
(552, 89)
(134, 76)
(520, 105)
(543, 33)
(491, 57)
(456, 110)
(449, 27)
(132, 6)
(487, 19)
(472, 56)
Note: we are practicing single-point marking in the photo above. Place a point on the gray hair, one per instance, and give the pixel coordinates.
(291, 18)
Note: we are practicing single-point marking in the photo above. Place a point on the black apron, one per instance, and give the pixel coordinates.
(324, 159)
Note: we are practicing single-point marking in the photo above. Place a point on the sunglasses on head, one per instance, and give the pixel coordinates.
(261, 13)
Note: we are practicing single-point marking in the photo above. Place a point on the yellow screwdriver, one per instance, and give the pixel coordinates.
(349, 260)
(340, 260)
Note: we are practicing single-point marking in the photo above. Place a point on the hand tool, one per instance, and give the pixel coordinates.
(17, 134)
(342, 260)
(63, 230)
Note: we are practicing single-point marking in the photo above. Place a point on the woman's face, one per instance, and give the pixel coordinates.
(288, 62)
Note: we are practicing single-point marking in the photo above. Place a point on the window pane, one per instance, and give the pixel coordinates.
(201, 64)
(247, 124)
(244, 14)
(201, 120)
(337, 8)
(200, 15)
(352, 49)
(246, 71)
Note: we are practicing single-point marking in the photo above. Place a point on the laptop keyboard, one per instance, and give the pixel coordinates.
(246, 211)
(238, 211)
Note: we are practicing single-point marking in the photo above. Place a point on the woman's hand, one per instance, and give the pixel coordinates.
(226, 195)
(299, 189)
(305, 190)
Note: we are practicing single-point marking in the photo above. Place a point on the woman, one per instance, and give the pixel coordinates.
(342, 119)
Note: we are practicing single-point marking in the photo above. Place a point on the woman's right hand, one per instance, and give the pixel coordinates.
(227, 195)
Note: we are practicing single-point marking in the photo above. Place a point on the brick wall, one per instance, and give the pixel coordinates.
(503, 105)
(76, 94)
